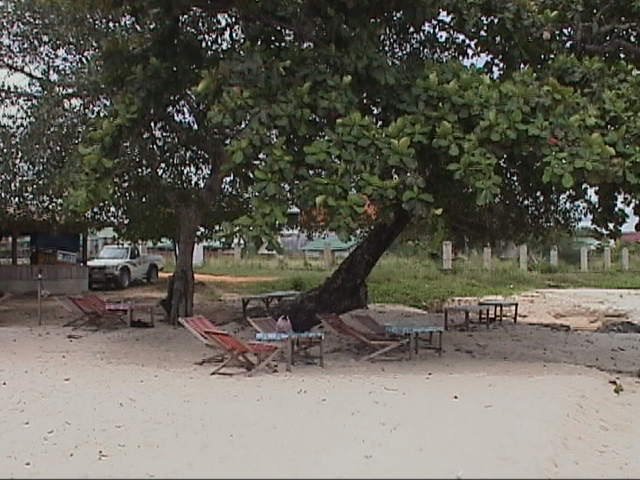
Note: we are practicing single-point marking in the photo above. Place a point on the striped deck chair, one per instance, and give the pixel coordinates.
(382, 344)
(94, 310)
(415, 332)
(369, 323)
(263, 324)
(249, 356)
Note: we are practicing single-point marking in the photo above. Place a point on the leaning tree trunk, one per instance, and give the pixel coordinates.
(179, 301)
(346, 288)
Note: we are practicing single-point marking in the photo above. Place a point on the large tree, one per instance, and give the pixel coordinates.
(368, 115)
(540, 130)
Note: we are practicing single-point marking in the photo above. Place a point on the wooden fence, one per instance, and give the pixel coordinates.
(66, 279)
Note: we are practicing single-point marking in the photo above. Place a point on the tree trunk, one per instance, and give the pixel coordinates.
(179, 300)
(346, 288)
(85, 247)
(14, 248)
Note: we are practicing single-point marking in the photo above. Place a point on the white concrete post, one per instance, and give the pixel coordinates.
(553, 256)
(625, 259)
(237, 253)
(584, 259)
(486, 258)
(607, 258)
(447, 255)
(328, 257)
(198, 255)
(523, 257)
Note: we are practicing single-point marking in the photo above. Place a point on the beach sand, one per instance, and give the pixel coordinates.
(516, 400)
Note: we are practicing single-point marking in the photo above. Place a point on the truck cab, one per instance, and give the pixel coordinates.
(122, 264)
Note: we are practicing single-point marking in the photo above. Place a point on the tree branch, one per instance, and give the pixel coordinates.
(18, 93)
(22, 71)
(615, 45)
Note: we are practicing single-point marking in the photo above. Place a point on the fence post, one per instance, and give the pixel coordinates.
(486, 258)
(14, 248)
(607, 258)
(553, 256)
(447, 255)
(584, 259)
(523, 257)
(328, 257)
(625, 259)
(237, 253)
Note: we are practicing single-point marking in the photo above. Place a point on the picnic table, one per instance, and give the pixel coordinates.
(414, 332)
(267, 299)
(501, 305)
(130, 308)
(292, 339)
(481, 310)
(125, 308)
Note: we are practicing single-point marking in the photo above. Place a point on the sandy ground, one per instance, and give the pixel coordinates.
(514, 400)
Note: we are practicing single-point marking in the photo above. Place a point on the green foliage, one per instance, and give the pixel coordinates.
(46, 99)
(300, 283)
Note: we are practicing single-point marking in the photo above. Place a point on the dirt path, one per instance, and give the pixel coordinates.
(204, 277)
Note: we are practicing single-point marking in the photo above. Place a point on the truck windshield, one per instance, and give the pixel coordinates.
(113, 253)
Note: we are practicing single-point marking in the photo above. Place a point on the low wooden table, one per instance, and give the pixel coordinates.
(147, 308)
(414, 332)
(267, 299)
(293, 340)
(124, 308)
(481, 310)
(501, 305)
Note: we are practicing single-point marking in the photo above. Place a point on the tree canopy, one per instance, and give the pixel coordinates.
(502, 119)
(47, 96)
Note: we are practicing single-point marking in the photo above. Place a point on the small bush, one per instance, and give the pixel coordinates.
(546, 268)
(298, 283)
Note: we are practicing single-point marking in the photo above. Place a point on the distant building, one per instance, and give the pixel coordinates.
(99, 239)
(630, 237)
(316, 247)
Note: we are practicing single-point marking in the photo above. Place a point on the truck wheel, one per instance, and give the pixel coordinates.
(152, 274)
(124, 278)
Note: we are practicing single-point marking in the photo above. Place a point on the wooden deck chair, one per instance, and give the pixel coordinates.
(370, 324)
(94, 310)
(263, 324)
(4, 296)
(381, 343)
(236, 352)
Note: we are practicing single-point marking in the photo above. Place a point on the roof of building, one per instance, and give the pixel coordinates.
(335, 244)
(630, 237)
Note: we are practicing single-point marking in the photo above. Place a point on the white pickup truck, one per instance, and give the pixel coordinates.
(122, 264)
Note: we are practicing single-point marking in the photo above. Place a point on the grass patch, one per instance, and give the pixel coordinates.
(414, 281)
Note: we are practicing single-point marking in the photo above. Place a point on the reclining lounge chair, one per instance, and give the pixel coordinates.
(382, 344)
(415, 332)
(95, 310)
(249, 356)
